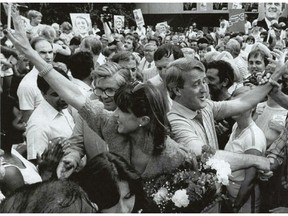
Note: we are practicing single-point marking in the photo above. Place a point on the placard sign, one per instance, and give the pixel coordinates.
(138, 17)
(237, 20)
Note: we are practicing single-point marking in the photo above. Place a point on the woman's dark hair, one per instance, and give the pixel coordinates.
(100, 177)
(146, 101)
(57, 196)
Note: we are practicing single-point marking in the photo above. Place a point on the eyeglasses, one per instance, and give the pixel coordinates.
(110, 92)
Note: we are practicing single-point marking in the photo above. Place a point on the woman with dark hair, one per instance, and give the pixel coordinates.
(130, 131)
(137, 130)
(111, 183)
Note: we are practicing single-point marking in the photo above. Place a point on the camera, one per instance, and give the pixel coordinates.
(107, 17)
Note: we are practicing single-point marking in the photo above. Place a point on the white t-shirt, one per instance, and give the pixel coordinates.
(28, 93)
(252, 137)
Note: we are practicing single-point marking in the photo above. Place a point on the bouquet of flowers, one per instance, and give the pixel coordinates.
(187, 189)
(258, 78)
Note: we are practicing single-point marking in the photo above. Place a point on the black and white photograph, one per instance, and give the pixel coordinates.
(144, 107)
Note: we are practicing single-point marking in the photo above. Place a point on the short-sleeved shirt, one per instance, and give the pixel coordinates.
(251, 137)
(188, 131)
(28, 93)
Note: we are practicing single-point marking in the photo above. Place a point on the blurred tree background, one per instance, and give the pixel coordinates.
(59, 12)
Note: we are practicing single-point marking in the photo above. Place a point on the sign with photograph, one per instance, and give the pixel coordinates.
(119, 23)
(81, 23)
(237, 20)
(138, 17)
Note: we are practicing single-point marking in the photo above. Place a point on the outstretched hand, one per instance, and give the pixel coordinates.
(50, 158)
(18, 38)
(281, 67)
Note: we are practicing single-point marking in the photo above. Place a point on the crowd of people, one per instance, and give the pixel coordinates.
(85, 119)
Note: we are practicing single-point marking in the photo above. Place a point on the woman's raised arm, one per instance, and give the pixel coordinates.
(65, 88)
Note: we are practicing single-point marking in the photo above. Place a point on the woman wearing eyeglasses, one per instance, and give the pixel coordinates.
(137, 130)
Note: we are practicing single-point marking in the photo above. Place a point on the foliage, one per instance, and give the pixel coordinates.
(186, 189)
(59, 12)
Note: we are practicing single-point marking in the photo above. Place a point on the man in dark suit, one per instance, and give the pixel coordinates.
(272, 12)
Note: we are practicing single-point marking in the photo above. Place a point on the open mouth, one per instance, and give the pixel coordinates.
(202, 98)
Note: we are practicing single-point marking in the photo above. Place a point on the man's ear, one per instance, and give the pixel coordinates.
(176, 91)
(144, 120)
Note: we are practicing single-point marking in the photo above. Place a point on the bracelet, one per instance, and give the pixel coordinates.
(274, 83)
(46, 70)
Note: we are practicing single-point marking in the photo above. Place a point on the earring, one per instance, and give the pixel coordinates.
(140, 125)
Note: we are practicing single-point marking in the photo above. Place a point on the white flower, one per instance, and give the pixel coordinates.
(161, 196)
(223, 170)
(180, 198)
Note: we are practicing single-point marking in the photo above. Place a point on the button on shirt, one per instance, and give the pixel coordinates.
(44, 124)
(188, 129)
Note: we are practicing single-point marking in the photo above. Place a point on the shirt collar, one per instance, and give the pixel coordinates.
(50, 111)
(268, 22)
(184, 111)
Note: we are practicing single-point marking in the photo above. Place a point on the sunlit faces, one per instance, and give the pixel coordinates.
(250, 41)
(149, 53)
(214, 82)
(188, 52)
(36, 20)
(82, 25)
(44, 49)
(104, 85)
(55, 100)
(162, 64)
(128, 45)
(256, 64)
(131, 64)
(23, 66)
(273, 10)
(126, 201)
(182, 38)
(127, 122)
(194, 93)
(202, 53)
(175, 39)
